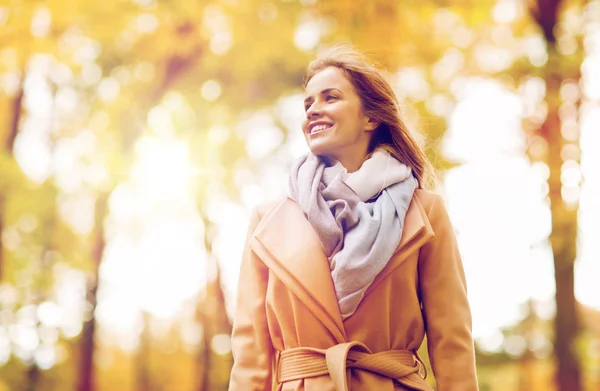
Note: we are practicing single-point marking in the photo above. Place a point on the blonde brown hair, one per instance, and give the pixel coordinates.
(379, 103)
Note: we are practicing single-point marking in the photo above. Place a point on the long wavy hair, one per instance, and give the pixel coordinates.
(380, 103)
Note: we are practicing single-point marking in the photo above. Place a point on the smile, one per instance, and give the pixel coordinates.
(319, 129)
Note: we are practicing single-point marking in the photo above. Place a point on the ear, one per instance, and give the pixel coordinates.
(372, 124)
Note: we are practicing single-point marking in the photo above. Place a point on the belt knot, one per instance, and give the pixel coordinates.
(303, 362)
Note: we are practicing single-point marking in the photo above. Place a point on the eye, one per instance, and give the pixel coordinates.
(307, 106)
(330, 98)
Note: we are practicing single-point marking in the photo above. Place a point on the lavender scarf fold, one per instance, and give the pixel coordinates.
(358, 217)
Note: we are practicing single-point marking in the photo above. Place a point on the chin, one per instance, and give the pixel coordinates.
(321, 150)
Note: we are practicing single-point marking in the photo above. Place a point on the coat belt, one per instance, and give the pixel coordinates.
(400, 365)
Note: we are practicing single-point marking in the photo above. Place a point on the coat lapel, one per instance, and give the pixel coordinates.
(416, 232)
(286, 242)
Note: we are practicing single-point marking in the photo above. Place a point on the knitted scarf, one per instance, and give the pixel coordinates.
(357, 216)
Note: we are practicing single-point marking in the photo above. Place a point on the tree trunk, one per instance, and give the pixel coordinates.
(205, 308)
(9, 143)
(212, 314)
(527, 362)
(2, 219)
(213, 317)
(86, 378)
(563, 238)
(33, 376)
(564, 246)
(204, 353)
(13, 129)
(142, 365)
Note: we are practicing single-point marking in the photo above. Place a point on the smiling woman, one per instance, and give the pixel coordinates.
(335, 124)
(341, 281)
(369, 98)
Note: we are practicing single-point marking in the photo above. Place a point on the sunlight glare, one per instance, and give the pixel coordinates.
(91, 73)
(49, 314)
(162, 167)
(5, 346)
(3, 15)
(221, 344)
(41, 22)
(146, 23)
(486, 121)
(506, 11)
(211, 90)
(108, 89)
(591, 76)
(77, 210)
(307, 35)
(154, 259)
(160, 121)
(587, 268)
(488, 211)
(45, 356)
(221, 42)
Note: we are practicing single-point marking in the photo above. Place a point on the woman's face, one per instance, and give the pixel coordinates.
(336, 125)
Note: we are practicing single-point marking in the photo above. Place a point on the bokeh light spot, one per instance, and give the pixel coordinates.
(211, 90)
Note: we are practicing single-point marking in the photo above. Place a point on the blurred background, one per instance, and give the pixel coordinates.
(136, 136)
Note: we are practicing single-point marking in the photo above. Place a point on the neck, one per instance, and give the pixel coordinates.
(352, 165)
(351, 162)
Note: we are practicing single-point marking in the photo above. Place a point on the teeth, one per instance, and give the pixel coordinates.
(318, 128)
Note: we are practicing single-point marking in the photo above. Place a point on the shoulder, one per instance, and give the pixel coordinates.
(429, 200)
(261, 210)
(434, 206)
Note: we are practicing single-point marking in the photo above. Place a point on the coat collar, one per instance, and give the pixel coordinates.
(286, 242)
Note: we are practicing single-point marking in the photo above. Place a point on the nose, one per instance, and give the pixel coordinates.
(314, 111)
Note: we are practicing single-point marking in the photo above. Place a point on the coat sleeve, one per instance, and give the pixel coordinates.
(250, 342)
(446, 309)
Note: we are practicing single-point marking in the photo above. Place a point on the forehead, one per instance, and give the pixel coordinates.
(330, 77)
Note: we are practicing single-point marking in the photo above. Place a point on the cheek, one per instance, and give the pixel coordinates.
(304, 126)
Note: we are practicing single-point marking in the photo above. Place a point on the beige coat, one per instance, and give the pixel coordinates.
(288, 333)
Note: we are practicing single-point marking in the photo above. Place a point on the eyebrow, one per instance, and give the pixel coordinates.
(325, 91)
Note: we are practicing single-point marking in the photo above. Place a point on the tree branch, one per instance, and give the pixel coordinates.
(545, 13)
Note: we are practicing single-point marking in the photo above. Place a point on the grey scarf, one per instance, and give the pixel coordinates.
(358, 217)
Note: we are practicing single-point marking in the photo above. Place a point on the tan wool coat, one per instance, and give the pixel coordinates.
(288, 332)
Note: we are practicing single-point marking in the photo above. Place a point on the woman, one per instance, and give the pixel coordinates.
(340, 281)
